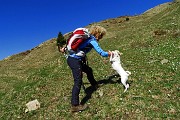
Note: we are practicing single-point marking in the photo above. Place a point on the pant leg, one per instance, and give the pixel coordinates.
(76, 67)
(88, 70)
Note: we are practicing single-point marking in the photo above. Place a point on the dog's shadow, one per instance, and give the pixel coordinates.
(91, 89)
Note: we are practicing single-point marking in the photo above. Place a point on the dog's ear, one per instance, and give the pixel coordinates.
(120, 53)
(116, 50)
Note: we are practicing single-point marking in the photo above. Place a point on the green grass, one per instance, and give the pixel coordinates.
(145, 40)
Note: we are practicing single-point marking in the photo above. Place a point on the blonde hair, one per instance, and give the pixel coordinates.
(97, 31)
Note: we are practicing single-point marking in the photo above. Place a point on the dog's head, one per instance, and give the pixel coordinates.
(115, 57)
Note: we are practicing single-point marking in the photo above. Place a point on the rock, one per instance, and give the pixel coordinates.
(32, 105)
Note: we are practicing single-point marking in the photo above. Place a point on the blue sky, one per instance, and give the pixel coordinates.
(24, 24)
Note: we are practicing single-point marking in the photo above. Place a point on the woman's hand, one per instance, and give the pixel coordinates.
(61, 49)
(110, 53)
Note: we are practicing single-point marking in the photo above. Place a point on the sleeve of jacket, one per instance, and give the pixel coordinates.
(98, 49)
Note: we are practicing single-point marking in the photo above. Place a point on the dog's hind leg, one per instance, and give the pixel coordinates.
(123, 81)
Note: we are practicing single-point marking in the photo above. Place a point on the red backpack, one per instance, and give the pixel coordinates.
(77, 38)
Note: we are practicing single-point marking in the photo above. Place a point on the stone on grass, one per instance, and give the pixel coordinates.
(32, 105)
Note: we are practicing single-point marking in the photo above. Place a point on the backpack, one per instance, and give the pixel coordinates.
(78, 36)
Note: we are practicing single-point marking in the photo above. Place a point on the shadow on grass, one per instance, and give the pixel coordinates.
(91, 89)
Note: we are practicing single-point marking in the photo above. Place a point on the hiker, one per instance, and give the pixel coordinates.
(78, 63)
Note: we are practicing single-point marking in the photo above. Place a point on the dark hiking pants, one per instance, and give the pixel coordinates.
(78, 66)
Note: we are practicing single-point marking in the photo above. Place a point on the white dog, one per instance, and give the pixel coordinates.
(116, 64)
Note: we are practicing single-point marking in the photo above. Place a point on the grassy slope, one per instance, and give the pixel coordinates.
(145, 40)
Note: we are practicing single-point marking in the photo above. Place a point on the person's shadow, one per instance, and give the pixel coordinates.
(89, 91)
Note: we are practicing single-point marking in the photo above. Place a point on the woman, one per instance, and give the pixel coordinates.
(77, 63)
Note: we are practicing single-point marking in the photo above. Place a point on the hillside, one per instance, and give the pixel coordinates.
(151, 49)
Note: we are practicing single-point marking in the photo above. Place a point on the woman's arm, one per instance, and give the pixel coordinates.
(98, 49)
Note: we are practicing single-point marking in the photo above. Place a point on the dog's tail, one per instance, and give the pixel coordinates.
(128, 72)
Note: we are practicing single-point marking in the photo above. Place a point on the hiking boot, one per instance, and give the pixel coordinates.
(78, 108)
